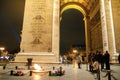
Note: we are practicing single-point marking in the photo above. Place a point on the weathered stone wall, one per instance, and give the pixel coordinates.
(40, 33)
(95, 29)
(96, 37)
(116, 21)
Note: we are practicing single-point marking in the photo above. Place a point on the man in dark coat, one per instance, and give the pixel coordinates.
(119, 58)
(107, 60)
(90, 57)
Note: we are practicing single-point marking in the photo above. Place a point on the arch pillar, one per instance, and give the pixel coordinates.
(87, 34)
(104, 26)
(108, 28)
(56, 29)
(40, 33)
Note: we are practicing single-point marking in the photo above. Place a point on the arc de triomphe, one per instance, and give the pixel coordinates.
(40, 33)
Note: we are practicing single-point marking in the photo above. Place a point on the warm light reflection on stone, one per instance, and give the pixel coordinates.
(73, 6)
(37, 77)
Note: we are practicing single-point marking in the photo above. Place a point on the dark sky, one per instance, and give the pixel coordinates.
(11, 18)
(11, 21)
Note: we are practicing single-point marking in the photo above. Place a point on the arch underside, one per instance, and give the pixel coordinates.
(74, 5)
(83, 10)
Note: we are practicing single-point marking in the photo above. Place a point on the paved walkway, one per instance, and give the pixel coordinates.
(71, 73)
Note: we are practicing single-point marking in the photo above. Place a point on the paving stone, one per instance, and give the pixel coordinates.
(71, 73)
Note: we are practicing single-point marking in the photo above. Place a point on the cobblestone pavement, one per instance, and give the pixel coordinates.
(115, 72)
(71, 73)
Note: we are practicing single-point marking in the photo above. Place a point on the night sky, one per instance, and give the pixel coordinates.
(11, 20)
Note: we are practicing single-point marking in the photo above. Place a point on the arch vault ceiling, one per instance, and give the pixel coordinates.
(85, 4)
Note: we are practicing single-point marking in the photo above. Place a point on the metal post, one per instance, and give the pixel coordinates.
(30, 73)
(4, 67)
(60, 71)
(11, 72)
(49, 73)
(98, 74)
(87, 66)
(16, 67)
(109, 75)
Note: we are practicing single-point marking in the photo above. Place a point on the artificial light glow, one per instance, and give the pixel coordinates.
(2, 48)
(37, 67)
(75, 51)
(37, 77)
(73, 6)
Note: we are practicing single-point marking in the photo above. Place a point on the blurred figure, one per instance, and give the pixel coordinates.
(95, 66)
(79, 61)
(107, 60)
(61, 59)
(119, 58)
(102, 62)
(96, 69)
(90, 57)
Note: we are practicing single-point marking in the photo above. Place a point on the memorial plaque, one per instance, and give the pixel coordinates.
(40, 32)
(37, 26)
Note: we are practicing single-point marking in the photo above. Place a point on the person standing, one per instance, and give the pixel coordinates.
(119, 58)
(90, 56)
(102, 61)
(79, 61)
(96, 69)
(107, 60)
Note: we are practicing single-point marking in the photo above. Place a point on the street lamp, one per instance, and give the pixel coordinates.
(1, 50)
(75, 51)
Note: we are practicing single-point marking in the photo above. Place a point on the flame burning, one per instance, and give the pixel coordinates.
(37, 67)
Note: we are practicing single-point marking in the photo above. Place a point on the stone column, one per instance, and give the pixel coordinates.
(104, 26)
(87, 35)
(111, 35)
(108, 27)
(56, 29)
(40, 33)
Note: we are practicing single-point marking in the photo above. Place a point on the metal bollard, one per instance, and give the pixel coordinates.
(60, 71)
(30, 73)
(16, 67)
(11, 72)
(49, 73)
(109, 75)
(86, 66)
(4, 67)
(98, 74)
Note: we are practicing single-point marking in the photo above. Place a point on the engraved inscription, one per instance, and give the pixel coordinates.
(38, 25)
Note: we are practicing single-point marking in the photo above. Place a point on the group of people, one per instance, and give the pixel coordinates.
(57, 72)
(94, 59)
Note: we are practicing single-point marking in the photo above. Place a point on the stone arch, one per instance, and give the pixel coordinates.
(75, 5)
(84, 11)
